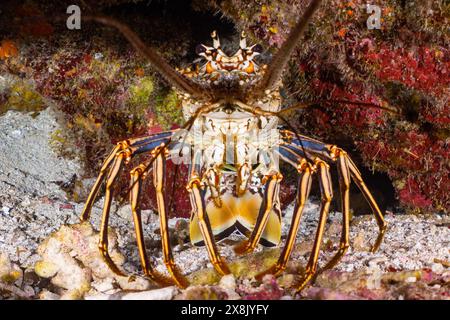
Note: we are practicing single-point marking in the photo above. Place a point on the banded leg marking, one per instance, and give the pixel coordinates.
(330, 152)
(137, 175)
(94, 191)
(114, 162)
(344, 185)
(103, 236)
(303, 188)
(382, 225)
(133, 146)
(327, 195)
(159, 174)
(270, 192)
(198, 203)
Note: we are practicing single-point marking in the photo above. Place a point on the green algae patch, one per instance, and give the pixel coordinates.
(141, 92)
(168, 110)
(21, 96)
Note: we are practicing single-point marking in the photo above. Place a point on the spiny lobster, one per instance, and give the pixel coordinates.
(232, 143)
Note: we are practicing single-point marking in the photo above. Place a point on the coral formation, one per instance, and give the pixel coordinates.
(71, 259)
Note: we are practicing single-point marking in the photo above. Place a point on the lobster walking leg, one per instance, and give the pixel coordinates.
(327, 194)
(347, 167)
(303, 189)
(382, 225)
(103, 237)
(137, 174)
(197, 196)
(344, 185)
(159, 174)
(332, 153)
(132, 147)
(122, 152)
(270, 192)
(198, 203)
(94, 191)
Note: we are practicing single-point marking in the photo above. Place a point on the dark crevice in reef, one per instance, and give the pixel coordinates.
(177, 16)
(379, 184)
(382, 189)
(156, 21)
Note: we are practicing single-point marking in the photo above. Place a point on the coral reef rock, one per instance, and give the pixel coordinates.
(71, 259)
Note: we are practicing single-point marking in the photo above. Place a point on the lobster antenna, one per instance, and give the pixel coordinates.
(170, 74)
(305, 105)
(281, 58)
(296, 135)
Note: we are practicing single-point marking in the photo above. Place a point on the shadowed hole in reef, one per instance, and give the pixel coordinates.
(379, 184)
(170, 19)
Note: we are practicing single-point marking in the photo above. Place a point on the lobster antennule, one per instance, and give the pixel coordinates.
(243, 41)
(216, 40)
